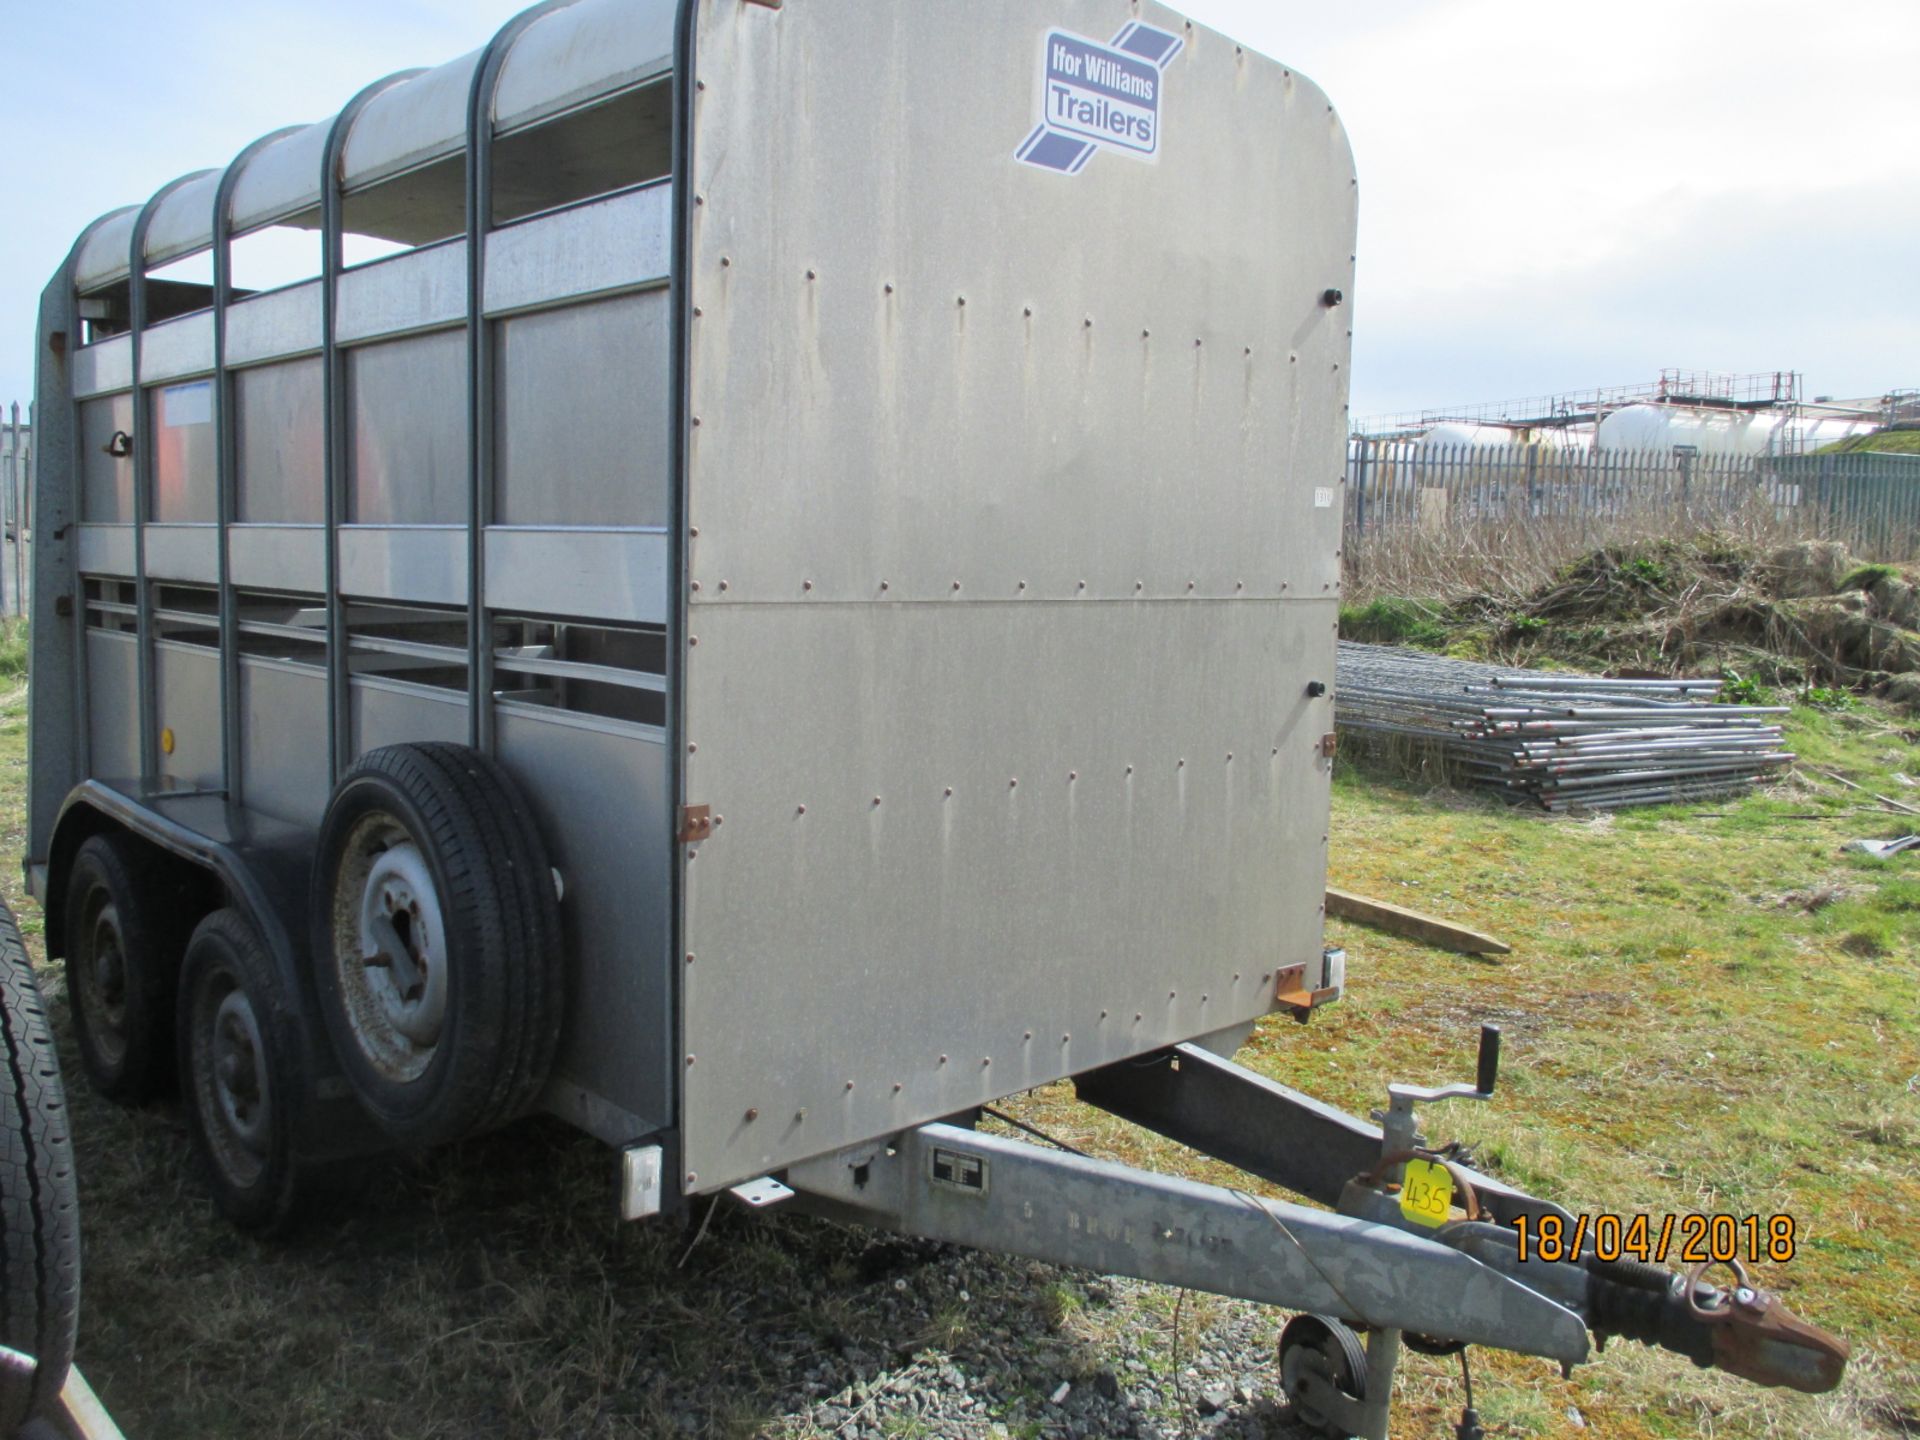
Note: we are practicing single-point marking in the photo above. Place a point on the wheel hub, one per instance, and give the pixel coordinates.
(1322, 1365)
(240, 1073)
(103, 974)
(390, 949)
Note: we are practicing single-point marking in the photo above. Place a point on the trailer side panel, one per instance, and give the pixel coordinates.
(1013, 500)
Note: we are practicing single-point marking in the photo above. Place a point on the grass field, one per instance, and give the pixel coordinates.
(1709, 1009)
(1888, 442)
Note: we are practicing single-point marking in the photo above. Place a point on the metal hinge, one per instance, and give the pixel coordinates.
(1329, 743)
(696, 823)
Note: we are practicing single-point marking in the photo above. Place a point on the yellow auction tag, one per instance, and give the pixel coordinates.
(1426, 1195)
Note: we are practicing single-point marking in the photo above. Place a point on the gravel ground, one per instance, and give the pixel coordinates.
(955, 1343)
(1000, 1379)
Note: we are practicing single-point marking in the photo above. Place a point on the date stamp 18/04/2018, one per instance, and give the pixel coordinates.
(1692, 1239)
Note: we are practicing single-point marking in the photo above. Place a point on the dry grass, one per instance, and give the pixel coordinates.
(1512, 556)
(1802, 616)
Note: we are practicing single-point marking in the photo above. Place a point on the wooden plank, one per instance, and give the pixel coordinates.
(1397, 920)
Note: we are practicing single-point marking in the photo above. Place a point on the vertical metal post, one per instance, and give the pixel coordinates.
(226, 462)
(57, 732)
(64, 543)
(1383, 1359)
(9, 504)
(1357, 542)
(1364, 449)
(686, 44)
(143, 482)
(333, 392)
(482, 435)
(28, 469)
(6, 496)
(22, 458)
(1818, 494)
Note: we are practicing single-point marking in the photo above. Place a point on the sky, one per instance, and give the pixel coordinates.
(1554, 196)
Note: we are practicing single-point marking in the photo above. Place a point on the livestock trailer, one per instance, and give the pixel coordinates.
(774, 583)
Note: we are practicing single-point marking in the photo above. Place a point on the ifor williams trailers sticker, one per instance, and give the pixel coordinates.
(1095, 97)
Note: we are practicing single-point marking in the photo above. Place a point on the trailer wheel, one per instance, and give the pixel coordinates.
(39, 1216)
(239, 1057)
(1322, 1347)
(123, 961)
(437, 942)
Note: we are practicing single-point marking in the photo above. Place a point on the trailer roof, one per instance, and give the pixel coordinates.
(581, 51)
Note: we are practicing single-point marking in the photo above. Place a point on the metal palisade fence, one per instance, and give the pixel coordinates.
(16, 490)
(1424, 518)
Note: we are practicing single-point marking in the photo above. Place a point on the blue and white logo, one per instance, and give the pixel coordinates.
(1095, 96)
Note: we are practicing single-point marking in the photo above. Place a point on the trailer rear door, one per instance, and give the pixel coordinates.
(1013, 494)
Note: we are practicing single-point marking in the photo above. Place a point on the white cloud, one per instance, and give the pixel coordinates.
(1534, 175)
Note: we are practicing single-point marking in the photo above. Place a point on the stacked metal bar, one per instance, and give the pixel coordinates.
(1559, 741)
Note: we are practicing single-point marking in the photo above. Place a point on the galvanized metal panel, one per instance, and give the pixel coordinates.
(613, 244)
(415, 291)
(583, 409)
(106, 480)
(279, 444)
(585, 574)
(113, 709)
(407, 411)
(1011, 484)
(105, 550)
(278, 557)
(1176, 307)
(184, 552)
(185, 465)
(186, 682)
(411, 123)
(282, 180)
(178, 348)
(283, 740)
(108, 245)
(1102, 879)
(386, 713)
(425, 563)
(183, 221)
(585, 49)
(578, 775)
(56, 725)
(274, 325)
(103, 367)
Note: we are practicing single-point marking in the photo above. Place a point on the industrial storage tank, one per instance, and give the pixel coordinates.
(1709, 432)
(1451, 434)
(1662, 428)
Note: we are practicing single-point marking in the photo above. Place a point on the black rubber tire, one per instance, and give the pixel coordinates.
(256, 1185)
(39, 1213)
(504, 975)
(126, 1036)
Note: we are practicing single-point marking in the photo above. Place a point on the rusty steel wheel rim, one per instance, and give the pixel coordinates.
(390, 948)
